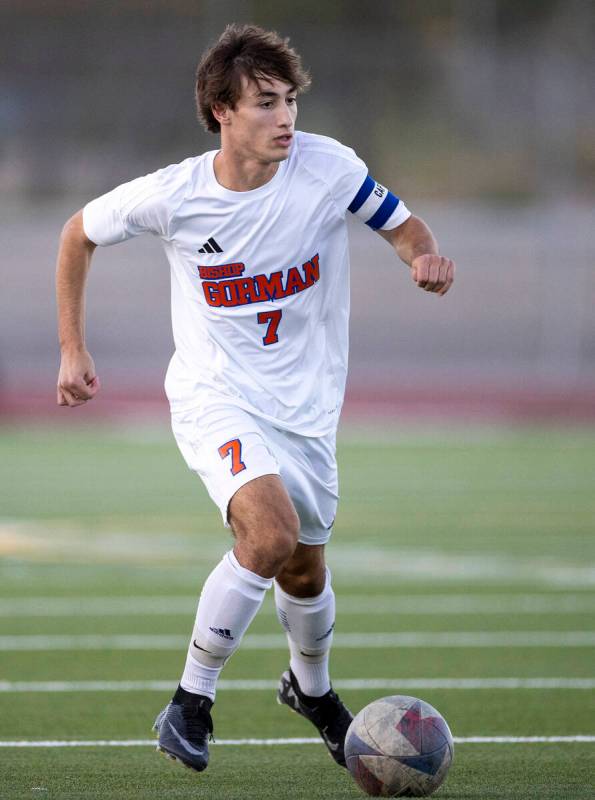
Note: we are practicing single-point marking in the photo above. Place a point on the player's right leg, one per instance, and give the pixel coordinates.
(266, 528)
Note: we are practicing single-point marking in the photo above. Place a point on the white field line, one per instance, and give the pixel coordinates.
(441, 604)
(294, 741)
(271, 685)
(276, 641)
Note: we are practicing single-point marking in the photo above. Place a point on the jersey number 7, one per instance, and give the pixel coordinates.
(272, 318)
(233, 448)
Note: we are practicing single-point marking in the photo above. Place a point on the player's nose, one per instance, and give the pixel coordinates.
(285, 118)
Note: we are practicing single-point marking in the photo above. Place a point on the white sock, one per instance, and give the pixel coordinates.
(229, 600)
(308, 622)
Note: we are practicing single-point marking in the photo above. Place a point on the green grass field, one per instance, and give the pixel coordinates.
(465, 556)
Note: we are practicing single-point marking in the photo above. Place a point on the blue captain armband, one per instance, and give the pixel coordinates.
(377, 207)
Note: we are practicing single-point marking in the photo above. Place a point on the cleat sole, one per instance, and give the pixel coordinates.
(172, 757)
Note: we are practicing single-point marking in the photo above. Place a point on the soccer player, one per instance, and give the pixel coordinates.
(256, 236)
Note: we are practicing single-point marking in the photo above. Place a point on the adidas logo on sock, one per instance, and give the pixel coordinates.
(224, 633)
(283, 619)
(210, 247)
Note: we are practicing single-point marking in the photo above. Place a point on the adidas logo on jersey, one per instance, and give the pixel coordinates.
(225, 633)
(210, 247)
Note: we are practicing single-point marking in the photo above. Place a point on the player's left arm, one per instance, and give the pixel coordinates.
(415, 244)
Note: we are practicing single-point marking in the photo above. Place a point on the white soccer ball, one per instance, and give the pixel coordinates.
(399, 746)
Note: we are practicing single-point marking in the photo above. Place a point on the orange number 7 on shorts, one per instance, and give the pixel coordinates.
(233, 448)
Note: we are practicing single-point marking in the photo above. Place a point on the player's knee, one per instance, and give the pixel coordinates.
(266, 548)
(266, 558)
(303, 577)
(305, 584)
(305, 574)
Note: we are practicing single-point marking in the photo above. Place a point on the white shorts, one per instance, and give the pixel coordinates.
(228, 447)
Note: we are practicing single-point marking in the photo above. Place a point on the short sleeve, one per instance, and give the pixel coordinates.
(345, 173)
(336, 165)
(143, 205)
(350, 185)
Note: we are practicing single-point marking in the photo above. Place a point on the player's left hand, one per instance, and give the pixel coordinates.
(433, 273)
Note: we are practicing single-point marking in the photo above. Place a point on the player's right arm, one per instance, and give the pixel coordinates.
(142, 205)
(77, 379)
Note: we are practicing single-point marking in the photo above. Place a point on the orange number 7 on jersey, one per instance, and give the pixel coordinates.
(273, 318)
(233, 447)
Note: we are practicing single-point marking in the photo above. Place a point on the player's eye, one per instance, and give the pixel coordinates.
(267, 104)
(292, 100)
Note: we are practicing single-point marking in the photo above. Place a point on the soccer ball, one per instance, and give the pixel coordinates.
(399, 746)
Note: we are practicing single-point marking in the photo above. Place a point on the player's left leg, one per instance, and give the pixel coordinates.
(306, 608)
(303, 593)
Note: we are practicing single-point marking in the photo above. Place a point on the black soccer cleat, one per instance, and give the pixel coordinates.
(327, 713)
(184, 728)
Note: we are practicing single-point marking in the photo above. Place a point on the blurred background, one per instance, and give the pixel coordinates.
(467, 445)
(481, 115)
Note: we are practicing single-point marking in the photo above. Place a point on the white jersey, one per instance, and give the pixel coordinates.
(259, 279)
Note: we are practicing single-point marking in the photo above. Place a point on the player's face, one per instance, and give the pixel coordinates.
(261, 125)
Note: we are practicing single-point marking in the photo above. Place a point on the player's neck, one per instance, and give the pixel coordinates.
(240, 174)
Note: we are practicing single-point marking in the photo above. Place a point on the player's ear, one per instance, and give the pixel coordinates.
(221, 113)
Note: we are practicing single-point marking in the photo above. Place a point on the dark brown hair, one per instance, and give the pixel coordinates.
(249, 51)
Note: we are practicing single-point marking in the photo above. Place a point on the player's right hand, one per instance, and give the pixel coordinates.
(77, 380)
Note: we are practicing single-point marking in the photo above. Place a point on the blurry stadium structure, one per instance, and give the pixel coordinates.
(480, 114)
